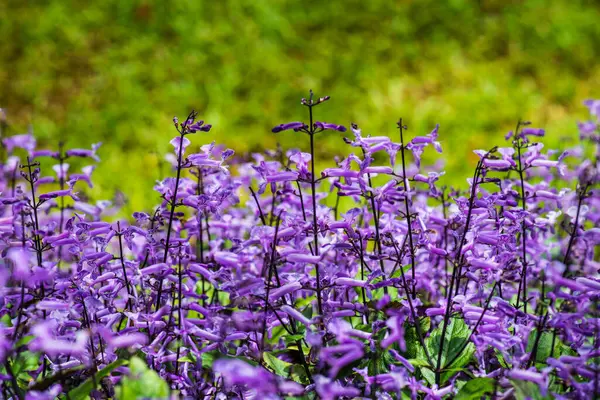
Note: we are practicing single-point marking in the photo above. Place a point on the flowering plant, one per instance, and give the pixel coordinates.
(368, 279)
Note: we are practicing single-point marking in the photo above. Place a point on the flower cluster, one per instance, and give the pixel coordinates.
(367, 279)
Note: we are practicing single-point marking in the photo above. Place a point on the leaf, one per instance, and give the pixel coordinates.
(24, 341)
(455, 349)
(26, 361)
(379, 362)
(428, 374)
(142, 382)
(62, 375)
(82, 391)
(525, 390)
(457, 366)
(464, 357)
(501, 359)
(475, 389)
(544, 348)
(187, 358)
(398, 272)
(292, 339)
(456, 336)
(208, 359)
(280, 367)
(418, 362)
(412, 339)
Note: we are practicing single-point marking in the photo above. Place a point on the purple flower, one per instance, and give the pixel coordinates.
(25, 141)
(85, 153)
(296, 126)
(324, 126)
(199, 126)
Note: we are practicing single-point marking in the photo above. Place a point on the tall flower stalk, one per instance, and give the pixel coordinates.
(312, 129)
(185, 128)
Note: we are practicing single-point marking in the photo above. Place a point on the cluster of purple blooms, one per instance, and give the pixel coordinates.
(263, 278)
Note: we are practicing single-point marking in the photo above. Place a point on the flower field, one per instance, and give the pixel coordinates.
(259, 277)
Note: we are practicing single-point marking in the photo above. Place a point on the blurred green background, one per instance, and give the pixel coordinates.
(117, 71)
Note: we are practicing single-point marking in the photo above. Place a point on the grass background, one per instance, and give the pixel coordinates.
(117, 71)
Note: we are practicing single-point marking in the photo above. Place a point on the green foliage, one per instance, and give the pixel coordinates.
(456, 337)
(525, 390)
(412, 339)
(291, 339)
(25, 362)
(142, 382)
(379, 362)
(121, 69)
(82, 391)
(475, 389)
(544, 350)
(278, 366)
(209, 358)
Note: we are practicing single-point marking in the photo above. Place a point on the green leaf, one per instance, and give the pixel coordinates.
(188, 358)
(280, 367)
(412, 339)
(308, 312)
(293, 338)
(544, 347)
(475, 389)
(142, 382)
(418, 362)
(428, 374)
(525, 390)
(544, 350)
(24, 341)
(501, 359)
(5, 320)
(26, 361)
(379, 362)
(82, 391)
(398, 272)
(208, 359)
(58, 377)
(458, 365)
(456, 337)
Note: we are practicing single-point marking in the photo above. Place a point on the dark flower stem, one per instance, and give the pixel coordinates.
(301, 197)
(129, 292)
(581, 195)
(22, 299)
(270, 277)
(413, 313)
(362, 277)
(376, 225)
(445, 214)
(311, 134)
(260, 212)
(457, 270)
(36, 238)
(61, 161)
(200, 238)
(523, 283)
(173, 204)
(293, 330)
(459, 256)
(407, 211)
(13, 380)
(179, 310)
(34, 206)
(485, 309)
